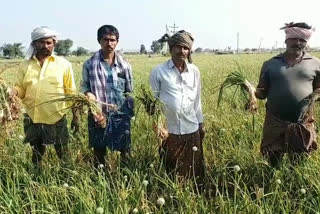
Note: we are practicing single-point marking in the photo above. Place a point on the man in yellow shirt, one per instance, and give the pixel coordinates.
(39, 79)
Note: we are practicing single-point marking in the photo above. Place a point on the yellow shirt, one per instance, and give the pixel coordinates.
(36, 85)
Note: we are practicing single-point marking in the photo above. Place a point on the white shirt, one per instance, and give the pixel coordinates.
(181, 95)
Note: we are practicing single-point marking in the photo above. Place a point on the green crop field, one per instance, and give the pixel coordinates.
(231, 143)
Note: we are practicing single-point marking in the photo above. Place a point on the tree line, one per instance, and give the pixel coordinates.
(63, 48)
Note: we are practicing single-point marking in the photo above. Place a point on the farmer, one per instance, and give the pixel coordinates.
(39, 77)
(287, 81)
(177, 84)
(107, 76)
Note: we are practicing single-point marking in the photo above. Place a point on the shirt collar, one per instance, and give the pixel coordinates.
(51, 58)
(304, 56)
(171, 65)
(117, 60)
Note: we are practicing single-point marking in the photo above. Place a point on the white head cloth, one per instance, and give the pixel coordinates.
(298, 32)
(40, 33)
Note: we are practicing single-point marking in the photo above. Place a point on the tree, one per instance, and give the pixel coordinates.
(198, 50)
(80, 52)
(156, 46)
(143, 49)
(12, 50)
(63, 47)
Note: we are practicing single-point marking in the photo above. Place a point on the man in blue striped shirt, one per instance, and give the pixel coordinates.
(107, 76)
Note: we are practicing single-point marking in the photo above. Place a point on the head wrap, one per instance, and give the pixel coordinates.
(298, 30)
(181, 38)
(40, 33)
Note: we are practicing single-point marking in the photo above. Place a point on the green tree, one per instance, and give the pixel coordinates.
(12, 50)
(156, 46)
(80, 52)
(198, 50)
(143, 49)
(63, 47)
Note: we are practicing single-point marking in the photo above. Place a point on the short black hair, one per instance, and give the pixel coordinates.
(107, 29)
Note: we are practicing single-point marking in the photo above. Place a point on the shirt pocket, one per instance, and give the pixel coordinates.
(191, 92)
(54, 81)
(121, 84)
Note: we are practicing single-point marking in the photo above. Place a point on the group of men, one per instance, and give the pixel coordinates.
(287, 81)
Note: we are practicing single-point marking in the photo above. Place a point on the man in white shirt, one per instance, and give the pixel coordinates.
(177, 84)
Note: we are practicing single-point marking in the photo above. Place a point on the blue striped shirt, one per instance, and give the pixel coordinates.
(118, 79)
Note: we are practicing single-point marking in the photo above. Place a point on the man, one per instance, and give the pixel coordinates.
(177, 84)
(39, 78)
(287, 81)
(107, 77)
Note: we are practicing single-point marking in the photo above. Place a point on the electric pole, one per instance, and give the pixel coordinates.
(261, 39)
(174, 27)
(238, 38)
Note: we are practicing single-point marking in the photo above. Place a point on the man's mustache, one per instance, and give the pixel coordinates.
(297, 47)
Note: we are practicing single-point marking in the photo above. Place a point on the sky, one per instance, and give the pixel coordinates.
(213, 23)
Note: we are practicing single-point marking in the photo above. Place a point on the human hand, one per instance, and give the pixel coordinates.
(100, 119)
(202, 131)
(13, 91)
(90, 96)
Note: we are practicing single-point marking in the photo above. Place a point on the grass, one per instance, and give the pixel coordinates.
(78, 100)
(238, 80)
(145, 98)
(255, 188)
(10, 107)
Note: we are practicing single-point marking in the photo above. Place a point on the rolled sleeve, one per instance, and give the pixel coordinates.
(19, 82)
(155, 83)
(129, 79)
(197, 103)
(68, 80)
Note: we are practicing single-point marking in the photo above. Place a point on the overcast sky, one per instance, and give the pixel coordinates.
(213, 23)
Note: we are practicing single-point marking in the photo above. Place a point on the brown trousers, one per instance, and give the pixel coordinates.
(281, 137)
(180, 157)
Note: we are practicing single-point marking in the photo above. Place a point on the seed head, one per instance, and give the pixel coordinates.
(145, 182)
(161, 201)
(236, 168)
(100, 210)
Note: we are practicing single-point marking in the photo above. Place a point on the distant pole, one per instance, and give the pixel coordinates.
(167, 30)
(174, 27)
(238, 38)
(166, 43)
(260, 43)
